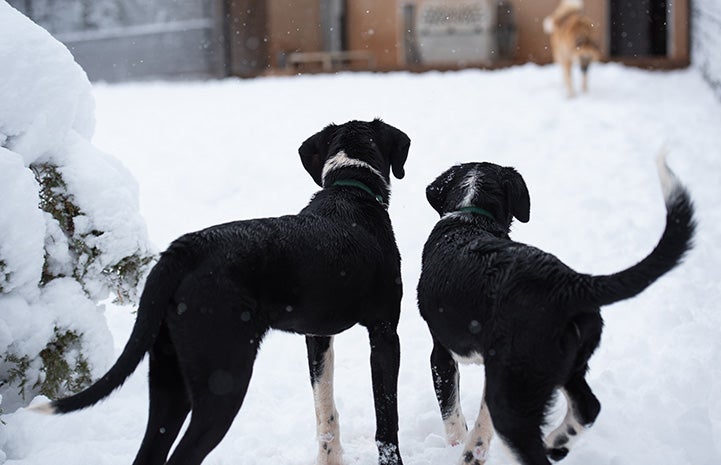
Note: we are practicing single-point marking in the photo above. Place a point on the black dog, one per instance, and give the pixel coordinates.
(214, 293)
(532, 320)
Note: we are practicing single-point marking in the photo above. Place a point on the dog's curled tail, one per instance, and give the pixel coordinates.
(675, 241)
(162, 282)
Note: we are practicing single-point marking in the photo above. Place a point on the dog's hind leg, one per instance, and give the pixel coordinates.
(169, 403)
(216, 397)
(217, 362)
(518, 410)
(446, 380)
(385, 363)
(566, 64)
(320, 363)
(582, 337)
(479, 439)
(583, 408)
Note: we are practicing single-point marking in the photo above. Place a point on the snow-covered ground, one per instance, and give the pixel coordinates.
(209, 152)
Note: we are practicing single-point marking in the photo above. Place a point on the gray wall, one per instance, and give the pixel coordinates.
(706, 40)
(119, 40)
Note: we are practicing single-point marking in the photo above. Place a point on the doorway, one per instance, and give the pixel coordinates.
(639, 28)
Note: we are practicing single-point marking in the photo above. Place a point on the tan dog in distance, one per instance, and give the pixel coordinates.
(570, 34)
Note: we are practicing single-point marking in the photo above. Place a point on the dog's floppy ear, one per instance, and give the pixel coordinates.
(518, 198)
(314, 151)
(399, 154)
(395, 145)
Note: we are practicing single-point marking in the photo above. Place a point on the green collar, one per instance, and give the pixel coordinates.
(477, 210)
(361, 186)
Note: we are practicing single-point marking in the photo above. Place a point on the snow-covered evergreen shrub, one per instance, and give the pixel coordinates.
(70, 231)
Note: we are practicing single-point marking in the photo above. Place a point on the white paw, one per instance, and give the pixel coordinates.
(456, 431)
(480, 453)
(476, 456)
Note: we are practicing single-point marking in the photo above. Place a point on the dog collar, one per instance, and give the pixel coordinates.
(478, 211)
(361, 186)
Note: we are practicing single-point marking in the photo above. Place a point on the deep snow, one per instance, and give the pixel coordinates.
(209, 152)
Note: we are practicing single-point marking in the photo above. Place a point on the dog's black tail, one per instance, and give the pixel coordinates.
(675, 242)
(161, 284)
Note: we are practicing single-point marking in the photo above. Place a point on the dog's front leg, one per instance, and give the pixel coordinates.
(320, 363)
(385, 362)
(479, 439)
(446, 380)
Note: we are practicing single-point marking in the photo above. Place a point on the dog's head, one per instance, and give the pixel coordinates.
(499, 190)
(372, 146)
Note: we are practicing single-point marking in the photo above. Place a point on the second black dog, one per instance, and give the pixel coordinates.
(215, 293)
(530, 319)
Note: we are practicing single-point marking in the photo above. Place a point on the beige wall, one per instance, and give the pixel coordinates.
(293, 25)
(680, 35)
(373, 25)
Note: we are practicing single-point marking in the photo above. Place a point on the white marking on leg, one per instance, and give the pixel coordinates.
(478, 440)
(328, 431)
(568, 431)
(455, 423)
(342, 160)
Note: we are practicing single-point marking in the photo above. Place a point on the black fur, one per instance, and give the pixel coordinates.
(215, 293)
(534, 320)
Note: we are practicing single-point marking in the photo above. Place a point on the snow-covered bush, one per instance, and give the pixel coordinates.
(70, 231)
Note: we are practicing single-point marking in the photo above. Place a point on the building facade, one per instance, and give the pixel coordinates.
(118, 40)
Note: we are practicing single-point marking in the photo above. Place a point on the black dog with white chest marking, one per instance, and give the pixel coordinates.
(530, 319)
(214, 293)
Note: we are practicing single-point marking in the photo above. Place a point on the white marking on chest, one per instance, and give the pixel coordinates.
(474, 358)
(342, 160)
